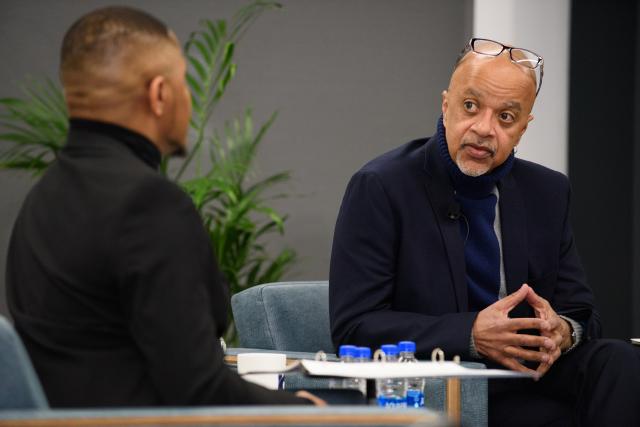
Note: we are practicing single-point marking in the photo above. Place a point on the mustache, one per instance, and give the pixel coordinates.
(479, 143)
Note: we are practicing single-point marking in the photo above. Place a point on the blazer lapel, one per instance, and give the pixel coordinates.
(440, 193)
(513, 223)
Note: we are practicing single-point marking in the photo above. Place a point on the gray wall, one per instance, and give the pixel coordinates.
(350, 78)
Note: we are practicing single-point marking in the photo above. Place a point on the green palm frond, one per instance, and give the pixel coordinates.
(32, 128)
(235, 209)
(210, 53)
(233, 155)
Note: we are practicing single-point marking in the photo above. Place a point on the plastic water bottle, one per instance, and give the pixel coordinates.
(347, 354)
(363, 355)
(415, 386)
(391, 392)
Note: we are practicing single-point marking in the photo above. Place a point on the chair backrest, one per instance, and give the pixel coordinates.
(285, 316)
(19, 384)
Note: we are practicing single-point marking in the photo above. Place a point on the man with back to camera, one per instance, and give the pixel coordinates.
(452, 242)
(111, 279)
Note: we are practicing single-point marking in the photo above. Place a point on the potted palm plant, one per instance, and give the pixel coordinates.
(217, 173)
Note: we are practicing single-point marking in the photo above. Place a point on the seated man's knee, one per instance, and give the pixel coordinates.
(615, 355)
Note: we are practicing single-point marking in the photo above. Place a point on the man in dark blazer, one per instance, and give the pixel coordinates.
(111, 279)
(452, 242)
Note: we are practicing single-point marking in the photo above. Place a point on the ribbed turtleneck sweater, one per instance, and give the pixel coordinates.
(477, 197)
(141, 146)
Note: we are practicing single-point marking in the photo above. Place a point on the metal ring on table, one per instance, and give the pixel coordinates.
(321, 356)
(379, 356)
(437, 355)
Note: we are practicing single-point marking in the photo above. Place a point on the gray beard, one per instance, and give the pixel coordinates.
(469, 171)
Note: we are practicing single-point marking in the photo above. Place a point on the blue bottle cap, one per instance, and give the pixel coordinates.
(407, 346)
(363, 353)
(347, 350)
(389, 349)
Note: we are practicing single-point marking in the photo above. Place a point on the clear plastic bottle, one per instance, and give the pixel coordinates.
(363, 355)
(391, 392)
(347, 354)
(415, 386)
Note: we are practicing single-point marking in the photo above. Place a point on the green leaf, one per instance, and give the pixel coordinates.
(204, 52)
(213, 31)
(221, 29)
(194, 86)
(273, 215)
(264, 184)
(227, 56)
(32, 128)
(209, 39)
(222, 83)
(10, 102)
(198, 67)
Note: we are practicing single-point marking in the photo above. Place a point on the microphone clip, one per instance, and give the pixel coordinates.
(453, 213)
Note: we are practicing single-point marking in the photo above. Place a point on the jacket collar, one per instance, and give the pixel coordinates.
(441, 195)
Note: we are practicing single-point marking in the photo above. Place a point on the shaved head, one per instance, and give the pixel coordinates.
(123, 66)
(100, 34)
(464, 55)
(486, 110)
(109, 53)
(497, 70)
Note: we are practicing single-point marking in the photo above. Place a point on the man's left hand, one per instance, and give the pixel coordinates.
(559, 332)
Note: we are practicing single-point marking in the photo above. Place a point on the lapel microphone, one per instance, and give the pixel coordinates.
(453, 213)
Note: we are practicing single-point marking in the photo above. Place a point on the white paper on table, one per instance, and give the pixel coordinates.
(374, 370)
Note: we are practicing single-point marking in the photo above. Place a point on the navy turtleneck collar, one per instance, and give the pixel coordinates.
(464, 184)
(141, 146)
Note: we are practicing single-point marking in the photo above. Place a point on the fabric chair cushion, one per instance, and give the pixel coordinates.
(19, 385)
(268, 316)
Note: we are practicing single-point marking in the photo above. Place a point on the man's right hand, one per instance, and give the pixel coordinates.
(311, 397)
(496, 335)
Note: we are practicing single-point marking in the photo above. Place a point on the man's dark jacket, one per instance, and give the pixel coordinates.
(112, 283)
(397, 263)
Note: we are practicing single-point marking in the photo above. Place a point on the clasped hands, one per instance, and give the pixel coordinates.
(496, 335)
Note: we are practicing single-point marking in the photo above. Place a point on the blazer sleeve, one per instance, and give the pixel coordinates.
(572, 296)
(363, 277)
(173, 300)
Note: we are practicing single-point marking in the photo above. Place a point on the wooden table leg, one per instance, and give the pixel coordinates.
(453, 400)
(454, 408)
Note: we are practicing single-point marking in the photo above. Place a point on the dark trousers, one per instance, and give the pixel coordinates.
(596, 384)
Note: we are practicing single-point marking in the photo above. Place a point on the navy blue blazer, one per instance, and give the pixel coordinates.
(397, 263)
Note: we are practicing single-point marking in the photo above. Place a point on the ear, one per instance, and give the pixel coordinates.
(157, 95)
(445, 106)
(524, 129)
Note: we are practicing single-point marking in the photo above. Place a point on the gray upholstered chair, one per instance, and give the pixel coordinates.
(19, 384)
(287, 316)
(293, 317)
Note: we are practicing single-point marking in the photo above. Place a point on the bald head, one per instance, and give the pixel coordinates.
(108, 54)
(466, 55)
(499, 71)
(123, 66)
(486, 110)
